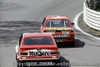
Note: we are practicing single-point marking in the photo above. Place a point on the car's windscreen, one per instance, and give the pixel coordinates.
(58, 23)
(38, 41)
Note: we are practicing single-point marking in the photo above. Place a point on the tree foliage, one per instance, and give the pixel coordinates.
(93, 4)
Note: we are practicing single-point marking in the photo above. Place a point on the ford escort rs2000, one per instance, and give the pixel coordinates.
(60, 27)
(36, 46)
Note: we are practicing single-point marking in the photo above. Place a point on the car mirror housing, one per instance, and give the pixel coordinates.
(72, 23)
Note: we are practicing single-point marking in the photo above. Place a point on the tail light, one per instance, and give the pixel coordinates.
(54, 53)
(72, 35)
(23, 53)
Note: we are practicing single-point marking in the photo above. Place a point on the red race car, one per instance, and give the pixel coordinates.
(60, 27)
(36, 46)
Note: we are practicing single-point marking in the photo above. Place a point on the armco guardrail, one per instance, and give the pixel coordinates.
(91, 17)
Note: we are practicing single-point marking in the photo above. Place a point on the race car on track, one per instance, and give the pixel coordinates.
(36, 46)
(60, 27)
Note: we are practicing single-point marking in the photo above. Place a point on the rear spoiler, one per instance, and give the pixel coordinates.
(25, 48)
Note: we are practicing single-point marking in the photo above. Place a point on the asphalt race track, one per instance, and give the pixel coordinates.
(20, 16)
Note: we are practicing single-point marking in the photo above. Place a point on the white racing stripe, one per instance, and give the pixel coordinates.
(78, 28)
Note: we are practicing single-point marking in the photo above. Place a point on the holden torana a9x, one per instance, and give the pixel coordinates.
(36, 46)
(60, 27)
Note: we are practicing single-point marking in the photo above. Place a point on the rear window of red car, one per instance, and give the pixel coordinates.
(58, 23)
(38, 41)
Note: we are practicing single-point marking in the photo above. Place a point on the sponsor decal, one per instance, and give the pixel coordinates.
(39, 52)
(53, 28)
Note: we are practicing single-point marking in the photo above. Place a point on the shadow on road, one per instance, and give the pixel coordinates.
(65, 62)
(78, 44)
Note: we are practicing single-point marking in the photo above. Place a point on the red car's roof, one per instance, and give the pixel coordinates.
(57, 17)
(37, 34)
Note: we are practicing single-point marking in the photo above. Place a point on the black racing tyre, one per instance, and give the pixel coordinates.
(72, 44)
(19, 63)
(16, 57)
(57, 62)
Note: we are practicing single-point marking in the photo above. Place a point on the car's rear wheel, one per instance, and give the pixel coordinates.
(18, 63)
(72, 44)
(57, 62)
(16, 57)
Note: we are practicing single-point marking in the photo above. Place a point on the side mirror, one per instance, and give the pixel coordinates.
(72, 23)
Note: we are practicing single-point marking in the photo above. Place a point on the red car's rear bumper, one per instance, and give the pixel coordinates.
(39, 58)
(64, 40)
